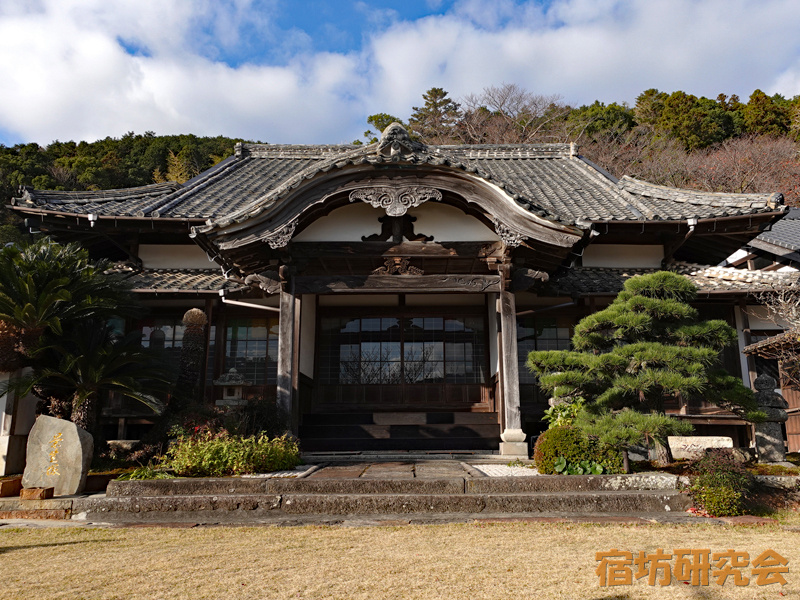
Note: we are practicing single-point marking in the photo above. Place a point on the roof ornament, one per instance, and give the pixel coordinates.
(281, 236)
(395, 200)
(396, 144)
(509, 236)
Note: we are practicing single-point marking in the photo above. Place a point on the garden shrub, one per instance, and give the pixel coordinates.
(573, 446)
(566, 442)
(718, 501)
(720, 483)
(207, 454)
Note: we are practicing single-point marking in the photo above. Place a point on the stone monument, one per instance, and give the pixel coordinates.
(59, 455)
(769, 435)
(694, 446)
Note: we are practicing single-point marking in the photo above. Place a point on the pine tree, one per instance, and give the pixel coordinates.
(646, 346)
(435, 121)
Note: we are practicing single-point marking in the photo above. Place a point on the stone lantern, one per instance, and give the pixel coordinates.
(769, 434)
(232, 384)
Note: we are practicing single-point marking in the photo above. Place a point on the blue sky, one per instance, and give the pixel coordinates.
(311, 71)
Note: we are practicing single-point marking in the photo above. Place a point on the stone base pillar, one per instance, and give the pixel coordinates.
(513, 443)
(769, 443)
(769, 434)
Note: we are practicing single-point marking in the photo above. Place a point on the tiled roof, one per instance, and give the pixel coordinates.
(664, 203)
(179, 280)
(548, 179)
(579, 280)
(598, 280)
(772, 346)
(785, 233)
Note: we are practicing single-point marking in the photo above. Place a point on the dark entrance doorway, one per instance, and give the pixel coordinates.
(402, 362)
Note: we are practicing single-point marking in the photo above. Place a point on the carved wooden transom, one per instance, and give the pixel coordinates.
(395, 200)
(397, 265)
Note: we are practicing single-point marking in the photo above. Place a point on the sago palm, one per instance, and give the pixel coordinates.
(94, 363)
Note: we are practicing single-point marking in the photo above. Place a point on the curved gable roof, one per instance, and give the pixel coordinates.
(550, 180)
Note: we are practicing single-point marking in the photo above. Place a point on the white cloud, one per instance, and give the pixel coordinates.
(66, 75)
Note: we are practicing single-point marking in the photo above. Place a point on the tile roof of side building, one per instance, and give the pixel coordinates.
(578, 281)
(551, 180)
(597, 280)
(784, 233)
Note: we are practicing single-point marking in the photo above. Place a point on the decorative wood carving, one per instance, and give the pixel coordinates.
(398, 265)
(393, 284)
(397, 228)
(269, 281)
(508, 235)
(472, 283)
(387, 248)
(395, 200)
(280, 237)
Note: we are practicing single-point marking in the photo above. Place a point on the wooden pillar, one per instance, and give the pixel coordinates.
(295, 414)
(748, 339)
(513, 437)
(286, 355)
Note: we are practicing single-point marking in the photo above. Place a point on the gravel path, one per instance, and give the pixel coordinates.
(506, 471)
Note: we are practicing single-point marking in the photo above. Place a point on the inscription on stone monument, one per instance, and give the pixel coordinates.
(55, 444)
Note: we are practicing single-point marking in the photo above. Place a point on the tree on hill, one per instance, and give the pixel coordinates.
(696, 122)
(510, 114)
(766, 116)
(645, 347)
(436, 120)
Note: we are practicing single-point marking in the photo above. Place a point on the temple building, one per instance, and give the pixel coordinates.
(387, 295)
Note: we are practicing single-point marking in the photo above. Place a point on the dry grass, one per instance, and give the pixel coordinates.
(508, 560)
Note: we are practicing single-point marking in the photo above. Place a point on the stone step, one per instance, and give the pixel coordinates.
(253, 505)
(400, 432)
(368, 456)
(51, 508)
(583, 502)
(401, 418)
(327, 444)
(388, 485)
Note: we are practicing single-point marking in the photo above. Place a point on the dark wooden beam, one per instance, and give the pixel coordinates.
(397, 283)
(742, 260)
(386, 249)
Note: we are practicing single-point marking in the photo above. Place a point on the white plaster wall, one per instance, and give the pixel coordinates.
(450, 224)
(759, 319)
(308, 325)
(174, 256)
(349, 223)
(633, 256)
(345, 224)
